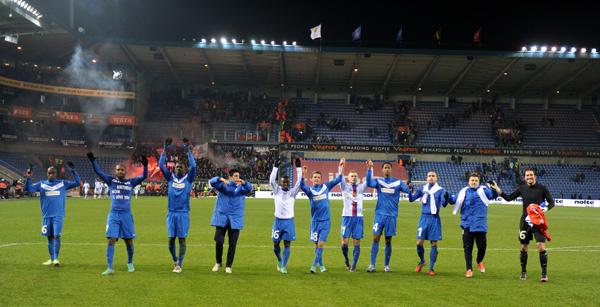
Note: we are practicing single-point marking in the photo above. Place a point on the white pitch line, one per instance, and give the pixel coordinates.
(556, 249)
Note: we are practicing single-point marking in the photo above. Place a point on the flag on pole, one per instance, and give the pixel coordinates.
(315, 32)
(437, 35)
(356, 33)
(476, 38)
(399, 35)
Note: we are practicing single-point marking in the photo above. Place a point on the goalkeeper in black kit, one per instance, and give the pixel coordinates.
(532, 193)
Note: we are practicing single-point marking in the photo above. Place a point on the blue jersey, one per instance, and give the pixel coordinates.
(179, 186)
(388, 193)
(53, 194)
(425, 205)
(230, 204)
(319, 198)
(120, 191)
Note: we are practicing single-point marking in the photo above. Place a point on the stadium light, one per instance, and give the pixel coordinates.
(203, 40)
(594, 50)
(294, 43)
(223, 40)
(554, 49)
(233, 40)
(523, 49)
(285, 43)
(544, 48)
(573, 49)
(213, 40)
(533, 48)
(253, 42)
(273, 43)
(563, 49)
(262, 42)
(583, 50)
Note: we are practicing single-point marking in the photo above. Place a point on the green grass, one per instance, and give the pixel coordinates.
(573, 256)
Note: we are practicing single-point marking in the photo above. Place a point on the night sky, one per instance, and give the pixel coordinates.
(506, 25)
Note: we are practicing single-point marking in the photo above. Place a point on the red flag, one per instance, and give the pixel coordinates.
(476, 37)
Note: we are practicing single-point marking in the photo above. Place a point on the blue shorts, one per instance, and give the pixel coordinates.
(120, 225)
(283, 229)
(430, 228)
(352, 225)
(319, 230)
(386, 222)
(178, 224)
(52, 226)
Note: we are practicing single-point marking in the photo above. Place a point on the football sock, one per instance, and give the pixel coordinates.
(182, 248)
(286, 255)
(56, 247)
(388, 254)
(219, 252)
(130, 253)
(318, 257)
(110, 252)
(374, 251)
(421, 252)
(356, 254)
(345, 252)
(433, 256)
(51, 249)
(523, 261)
(277, 251)
(544, 261)
(172, 250)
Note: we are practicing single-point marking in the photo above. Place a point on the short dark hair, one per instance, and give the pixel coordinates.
(232, 171)
(384, 163)
(474, 175)
(530, 170)
(285, 177)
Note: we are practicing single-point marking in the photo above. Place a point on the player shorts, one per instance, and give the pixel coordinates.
(352, 225)
(527, 233)
(52, 226)
(86, 191)
(120, 225)
(178, 224)
(283, 229)
(386, 222)
(96, 191)
(319, 230)
(430, 227)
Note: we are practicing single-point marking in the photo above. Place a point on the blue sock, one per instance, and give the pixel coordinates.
(345, 252)
(56, 247)
(388, 254)
(110, 252)
(433, 256)
(286, 255)
(374, 251)
(172, 250)
(51, 249)
(356, 254)
(318, 257)
(182, 248)
(130, 253)
(421, 252)
(277, 250)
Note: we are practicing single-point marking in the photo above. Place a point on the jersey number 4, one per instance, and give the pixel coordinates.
(375, 226)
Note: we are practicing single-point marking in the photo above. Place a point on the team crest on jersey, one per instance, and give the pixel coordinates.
(52, 188)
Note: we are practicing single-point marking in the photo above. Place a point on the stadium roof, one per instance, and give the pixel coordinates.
(522, 74)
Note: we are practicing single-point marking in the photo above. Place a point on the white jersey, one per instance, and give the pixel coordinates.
(284, 200)
(98, 187)
(105, 187)
(86, 187)
(353, 198)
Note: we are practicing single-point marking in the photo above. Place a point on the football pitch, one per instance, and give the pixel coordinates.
(572, 268)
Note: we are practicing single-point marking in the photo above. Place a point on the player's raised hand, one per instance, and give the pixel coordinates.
(298, 162)
(168, 143)
(71, 166)
(144, 160)
(304, 170)
(369, 164)
(277, 162)
(90, 156)
(186, 144)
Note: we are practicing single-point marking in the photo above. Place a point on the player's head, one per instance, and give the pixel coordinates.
(315, 177)
(530, 176)
(474, 180)
(285, 182)
(180, 168)
(386, 169)
(52, 173)
(121, 171)
(353, 177)
(432, 178)
(234, 175)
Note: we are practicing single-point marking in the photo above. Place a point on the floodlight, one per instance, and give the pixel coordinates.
(272, 42)
(213, 40)
(594, 50)
(253, 42)
(554, 49)
(523, 48)
(583, 50)
(285, 43)
(534, 48)
(262, 42)
(223, 40)
(233, 41)
(203, 40)
(563, 49)
(294, 43)
(573, 49)
(544, 48)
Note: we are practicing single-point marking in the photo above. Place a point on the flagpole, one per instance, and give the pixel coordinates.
(480, 37)
(321, 39)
